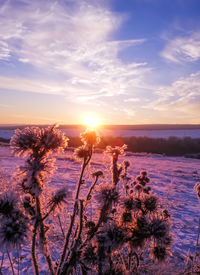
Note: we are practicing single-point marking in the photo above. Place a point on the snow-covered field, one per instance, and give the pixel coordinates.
(172, 178)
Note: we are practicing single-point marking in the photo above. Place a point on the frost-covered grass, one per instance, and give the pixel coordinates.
(172, 179)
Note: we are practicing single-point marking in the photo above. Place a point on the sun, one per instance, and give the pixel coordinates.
(91, 121)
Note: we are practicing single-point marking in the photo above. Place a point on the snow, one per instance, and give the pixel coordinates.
(172, 178)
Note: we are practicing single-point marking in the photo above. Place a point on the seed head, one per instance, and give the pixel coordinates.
(126, 217)
(151, 203)
(98, 174)
(90, 138)
(33, 140)
(8, 203)
(13, 230)
(59, 197)
(106, 194)
(81, 152)
(116, 151)
(159, 228)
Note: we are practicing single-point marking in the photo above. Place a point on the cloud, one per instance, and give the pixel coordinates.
(180, 100)
(27, 85)
(4, 51)
(183, 49)
(70, 38)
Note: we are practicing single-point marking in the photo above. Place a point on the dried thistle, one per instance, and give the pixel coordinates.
(90, 138)
(106, 194)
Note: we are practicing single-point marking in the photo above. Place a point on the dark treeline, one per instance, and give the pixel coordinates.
(171, 146)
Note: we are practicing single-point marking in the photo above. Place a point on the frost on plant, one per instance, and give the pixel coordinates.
(126, 227)
(13, 223)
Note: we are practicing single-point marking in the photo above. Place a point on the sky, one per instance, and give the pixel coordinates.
(124, 61)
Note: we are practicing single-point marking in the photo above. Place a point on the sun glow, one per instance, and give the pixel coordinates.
(91, 121)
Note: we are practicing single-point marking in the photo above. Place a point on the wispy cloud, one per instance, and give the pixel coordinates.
(73, 38)
(27, 85)
(183, 49)
(4, 51)
(180, 100)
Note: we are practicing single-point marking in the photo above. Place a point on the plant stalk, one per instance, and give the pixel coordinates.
(62, 259)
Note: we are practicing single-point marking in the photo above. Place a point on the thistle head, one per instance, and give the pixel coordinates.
(126, 164)
(115, 236)
(106, 194)
(81, 152)
(13, 230)
(126, 217)
(25, 141)
(59, 197)
(142, 179)
(97, 174)
(116, 151)
(33, 140)
(51, 139)
(129, 203)
(150, 203)
(90, 138)
(159, 228)
(8, 203)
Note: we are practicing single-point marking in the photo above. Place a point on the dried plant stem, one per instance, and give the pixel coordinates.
(198, 234)
(115, 178)
(2, 260)
(100, 260)
(62, 259)
(51, 210)
(100, 220)
(91, 188)
(44, 238)
(33, 250)
(18, 261)
(76, 243)
(11, 264)
(60, 224)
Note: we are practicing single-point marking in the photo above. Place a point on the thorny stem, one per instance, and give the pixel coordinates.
(51, 209)
(59, 220)
(91, 188)
(33, 250)
(115, 172)
(62, 259)
(2, 259)
(18, 261)
(43, 238)
(77, 241)
(11, 264)
(100, 260)
(198, 236)
(100, 220)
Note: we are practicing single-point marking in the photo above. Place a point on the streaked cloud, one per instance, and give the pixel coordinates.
(180, 100)
(183, 49)
(74, 39)
(27, 85)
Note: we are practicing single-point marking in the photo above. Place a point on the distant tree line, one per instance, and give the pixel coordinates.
(172, 146)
